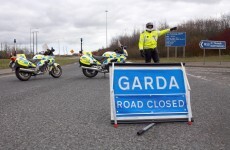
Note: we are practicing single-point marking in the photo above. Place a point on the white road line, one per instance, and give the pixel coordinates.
(3, 76)
(199, 77)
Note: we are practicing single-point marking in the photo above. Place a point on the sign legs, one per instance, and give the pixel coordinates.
(204, 56)
(167, 52)
(220, 55)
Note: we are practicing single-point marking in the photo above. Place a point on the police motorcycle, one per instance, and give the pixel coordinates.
(12, 62)
(42, 63)
(92, 64)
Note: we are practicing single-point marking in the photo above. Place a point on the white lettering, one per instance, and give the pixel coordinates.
(155, 104)
(126, 87)
(140, 104)
(163, 81)
(150, 104)
(173, 83)
(126, 104)
(160, 83)
(168, 103)
(161, 103)
(158, 104)
(119, 104)
(148, 82)
(133, 105)
(181, 103)
(174, 103)
(130, 104)
(136, 83)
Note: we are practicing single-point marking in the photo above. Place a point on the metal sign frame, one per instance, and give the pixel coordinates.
(115, 118)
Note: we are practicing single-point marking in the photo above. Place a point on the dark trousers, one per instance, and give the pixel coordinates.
(151, 54)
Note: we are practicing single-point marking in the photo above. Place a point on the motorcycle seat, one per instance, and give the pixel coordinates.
(33, 60)
(100, 58)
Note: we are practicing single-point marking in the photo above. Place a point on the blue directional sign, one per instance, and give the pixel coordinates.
(148, 92)
(175, 39)
(207, 44)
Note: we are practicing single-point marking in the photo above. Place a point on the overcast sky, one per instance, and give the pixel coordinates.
(66, 21)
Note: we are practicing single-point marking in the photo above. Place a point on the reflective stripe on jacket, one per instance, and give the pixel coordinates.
(149, 39)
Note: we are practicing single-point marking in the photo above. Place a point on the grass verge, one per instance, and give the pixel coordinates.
(225, 58)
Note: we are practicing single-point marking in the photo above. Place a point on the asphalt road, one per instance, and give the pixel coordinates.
(73, 112)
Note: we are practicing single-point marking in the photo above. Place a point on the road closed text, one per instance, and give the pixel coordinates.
(149, 104)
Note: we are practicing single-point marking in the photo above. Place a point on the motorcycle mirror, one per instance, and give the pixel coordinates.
(119, 43)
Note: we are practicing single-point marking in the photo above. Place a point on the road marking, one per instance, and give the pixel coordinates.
(3, 76)
(199, 77)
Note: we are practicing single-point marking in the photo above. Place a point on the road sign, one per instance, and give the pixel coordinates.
(147, 92)
(207, 44)
(72, 51)
(175, 39)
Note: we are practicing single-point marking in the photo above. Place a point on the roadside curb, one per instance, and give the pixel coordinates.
(9, 71)
(207, 66)
(5, 72)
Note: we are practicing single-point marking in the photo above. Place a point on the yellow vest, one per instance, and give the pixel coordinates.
(149, 39)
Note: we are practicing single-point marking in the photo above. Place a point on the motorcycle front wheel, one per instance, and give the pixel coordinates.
(56, 72)
(89, 73)
(23, 76)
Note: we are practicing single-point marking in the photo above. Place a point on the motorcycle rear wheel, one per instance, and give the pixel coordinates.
(89, 73)
(23, 76)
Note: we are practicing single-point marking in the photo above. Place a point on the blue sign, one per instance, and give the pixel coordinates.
(155, 105)
(175, 39)
(155, 81)
(149, 92)
(206, 44)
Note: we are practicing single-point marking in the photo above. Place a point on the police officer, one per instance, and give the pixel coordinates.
(148, 42)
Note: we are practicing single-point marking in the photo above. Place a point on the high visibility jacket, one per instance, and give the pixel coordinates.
(149, 39)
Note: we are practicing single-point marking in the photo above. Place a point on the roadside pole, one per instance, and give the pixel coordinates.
(184, 52)
(176, 52)
(167, 52)
(220, 56)
(204, 57)
(15, 50)
(81, 45)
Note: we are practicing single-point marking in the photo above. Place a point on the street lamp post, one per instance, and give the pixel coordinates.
(30, 40)
(36, 41)
(33, 43)
(59, 47)
(15, 51)
(35, 31)
(106, 11)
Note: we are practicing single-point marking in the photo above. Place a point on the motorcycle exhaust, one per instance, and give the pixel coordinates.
(27, 70)
(96, 69)
(90, 68)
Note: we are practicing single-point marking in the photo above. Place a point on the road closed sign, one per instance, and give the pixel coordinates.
(147, 92)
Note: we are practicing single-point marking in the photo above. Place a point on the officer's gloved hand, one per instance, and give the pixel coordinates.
(142, 53)
(174, 28)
